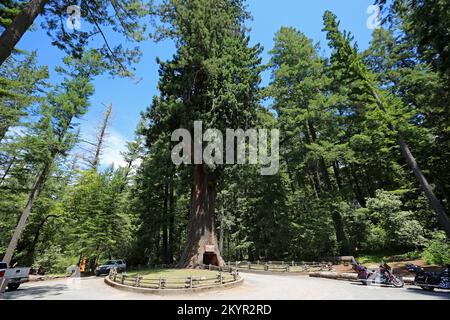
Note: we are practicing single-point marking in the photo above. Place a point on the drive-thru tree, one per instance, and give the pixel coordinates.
(213, 78)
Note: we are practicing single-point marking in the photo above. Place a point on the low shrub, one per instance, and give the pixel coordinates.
(437, 250)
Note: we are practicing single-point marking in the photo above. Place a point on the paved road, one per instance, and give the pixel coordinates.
(256, 287)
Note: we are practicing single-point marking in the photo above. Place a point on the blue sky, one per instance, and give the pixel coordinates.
(130, 98)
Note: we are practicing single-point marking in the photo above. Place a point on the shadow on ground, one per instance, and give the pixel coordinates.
(37, 292)
(414, 290)
(436, 293)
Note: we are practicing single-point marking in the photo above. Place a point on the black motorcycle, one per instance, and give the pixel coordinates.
(429, 280)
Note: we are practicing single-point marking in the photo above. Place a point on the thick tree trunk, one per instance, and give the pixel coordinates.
(313, 184)
(32, 248)
(291, 177)
(202, 246)
(341, 237)
(335, 215)
(158, 243)
(370, 185)
(14, 32)
(35, 191)
(357, 188)
(337, 175)
(165, 218)
(171, 222)
(222, 222)
(435, 203)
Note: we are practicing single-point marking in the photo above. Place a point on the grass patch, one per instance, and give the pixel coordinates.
(177, 278)
(370, 258)
(174, 273)
(179, 274)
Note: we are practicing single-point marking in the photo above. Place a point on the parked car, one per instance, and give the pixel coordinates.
(14, 276)
(106, 267)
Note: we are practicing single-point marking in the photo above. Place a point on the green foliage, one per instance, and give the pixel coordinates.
(8, 10)
(342, 187)
(122, 18)
(398, 228)
(53, 260)
(426, 23)
(21, 81)
(437, 250)
(94, 211)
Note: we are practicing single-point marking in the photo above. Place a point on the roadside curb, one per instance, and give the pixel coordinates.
(49, 278)
(172, 291)
(348, 276)
(45, 278)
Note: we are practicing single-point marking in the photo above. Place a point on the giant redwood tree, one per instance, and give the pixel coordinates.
(213, 78)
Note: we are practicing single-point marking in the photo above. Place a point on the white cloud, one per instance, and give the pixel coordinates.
(115, 143)
(17, 131)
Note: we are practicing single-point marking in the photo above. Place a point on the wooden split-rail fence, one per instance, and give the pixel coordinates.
(224, 275)
(281, 266)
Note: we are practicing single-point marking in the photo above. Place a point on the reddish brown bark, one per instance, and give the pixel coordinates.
(201, 225)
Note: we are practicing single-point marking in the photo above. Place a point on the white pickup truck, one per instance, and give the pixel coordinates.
(13, 276)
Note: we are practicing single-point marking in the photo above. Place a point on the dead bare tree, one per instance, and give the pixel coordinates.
(98, 146)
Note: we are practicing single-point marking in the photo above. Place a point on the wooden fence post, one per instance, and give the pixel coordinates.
(138, 281)
(122, 278)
